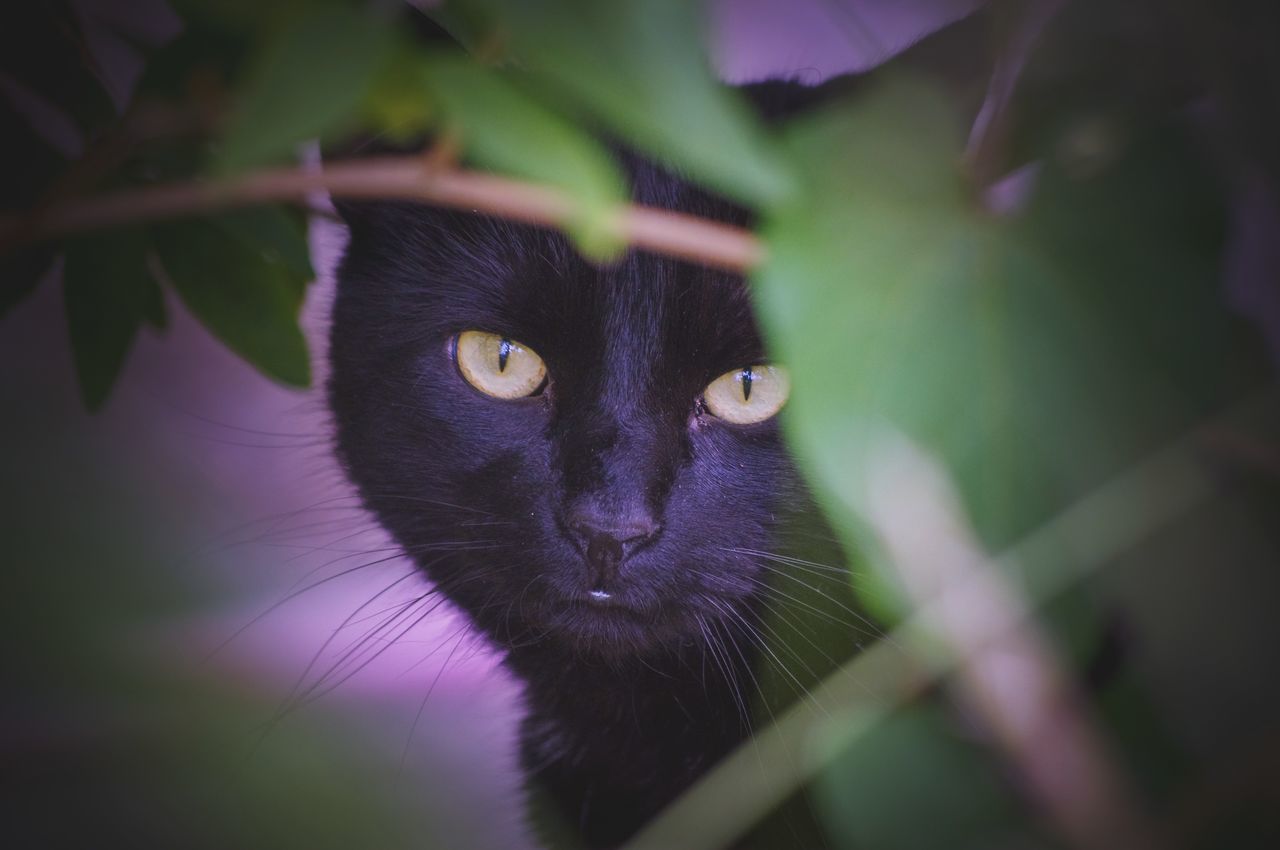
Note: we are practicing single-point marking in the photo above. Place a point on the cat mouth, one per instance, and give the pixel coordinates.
(604, 603)
(611, 611)
(601, 598)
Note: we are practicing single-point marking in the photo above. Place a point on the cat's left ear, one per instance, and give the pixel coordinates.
(358, 215)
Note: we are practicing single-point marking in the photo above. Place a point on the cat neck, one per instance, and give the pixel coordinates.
(611, 743)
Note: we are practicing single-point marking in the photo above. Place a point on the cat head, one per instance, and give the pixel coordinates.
(537, 431)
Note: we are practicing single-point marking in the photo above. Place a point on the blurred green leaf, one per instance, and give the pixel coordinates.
(153, 309)
(398, 107)
(1036, 355)
(310, 80)
(912, 785)
(111, 710)
(641, 69)
(247, 299)
(507, 130)
(852, 264)
(21, 272)
(108, 292)
(471, 25)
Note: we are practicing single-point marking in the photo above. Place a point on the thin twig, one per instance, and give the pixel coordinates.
(666, 232)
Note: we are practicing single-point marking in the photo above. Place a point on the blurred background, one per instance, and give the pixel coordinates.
(188, 576)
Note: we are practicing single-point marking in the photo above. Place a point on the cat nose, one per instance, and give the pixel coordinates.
(606, 540)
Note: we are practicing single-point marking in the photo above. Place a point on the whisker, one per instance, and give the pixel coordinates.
(315, 659)
(871, 629)
(291, 595)
(413, 728)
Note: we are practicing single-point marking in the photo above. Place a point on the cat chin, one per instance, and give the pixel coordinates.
(592, 628)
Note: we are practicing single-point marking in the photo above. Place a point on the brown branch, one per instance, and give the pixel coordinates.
(1006, 668)
(407, 178)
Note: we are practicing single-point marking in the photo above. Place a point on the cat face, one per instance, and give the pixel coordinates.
(588, 497)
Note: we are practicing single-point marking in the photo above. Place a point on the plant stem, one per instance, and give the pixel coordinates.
(407, 178)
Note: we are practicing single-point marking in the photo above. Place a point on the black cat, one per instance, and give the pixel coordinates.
(584, 459)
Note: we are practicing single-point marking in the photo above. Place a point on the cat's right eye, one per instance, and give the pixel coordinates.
(498, 366)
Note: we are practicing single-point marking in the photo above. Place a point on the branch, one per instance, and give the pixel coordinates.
(407, 178)
(1005, 667)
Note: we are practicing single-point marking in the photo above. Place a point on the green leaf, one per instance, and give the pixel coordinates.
(107, 290)
(641, 69)
(277, 234)
(469, 24)
(21, 272)
(246, 299)
(310, 80)
(154, 311)
(398, 108)
(912, 785)
(507, 130)
(1036, 355)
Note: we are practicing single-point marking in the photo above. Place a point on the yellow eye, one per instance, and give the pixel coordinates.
(747, 395)
(497, 366)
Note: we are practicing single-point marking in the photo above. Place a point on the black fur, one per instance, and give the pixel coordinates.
(627, 702)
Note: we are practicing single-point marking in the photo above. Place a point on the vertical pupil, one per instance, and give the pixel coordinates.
(747, 378)
(504, 351)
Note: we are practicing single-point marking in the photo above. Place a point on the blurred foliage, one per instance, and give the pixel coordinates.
(115, 735)
(306, 83)
(640, 69)
(877, 789)
(1039, 335)
(242, 274)
(485, 106)
(103, 320)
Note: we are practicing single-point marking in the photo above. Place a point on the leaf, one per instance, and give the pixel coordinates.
(912, 785)
(398, 108)
(154, 311)
(308, 81)
(107, 289)
(277, 234)
(471, 25)
(21, 272)
(1036, 355)
(641, 69)
(247, 300)
(506, 129)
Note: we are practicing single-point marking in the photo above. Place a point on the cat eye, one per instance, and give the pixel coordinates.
(498, 366)
(748, 395)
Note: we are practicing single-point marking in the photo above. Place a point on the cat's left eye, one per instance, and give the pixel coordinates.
(748, 395)
(498, 366)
